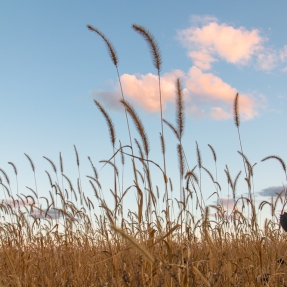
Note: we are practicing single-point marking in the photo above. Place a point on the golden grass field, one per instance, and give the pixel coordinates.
(70, 245)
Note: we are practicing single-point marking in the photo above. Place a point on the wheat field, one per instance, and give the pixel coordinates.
(66, 243)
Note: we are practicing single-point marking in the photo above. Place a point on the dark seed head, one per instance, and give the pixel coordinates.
(283, 221)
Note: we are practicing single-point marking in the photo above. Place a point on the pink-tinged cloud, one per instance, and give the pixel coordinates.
(227, 205)
(17, 203)
(234, 45)
(220, 114)
(205, 94)
(202, 59)
(144, 89)
(196, 111)
(208, 89)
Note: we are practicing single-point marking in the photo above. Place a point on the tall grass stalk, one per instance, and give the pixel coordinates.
(157, 61)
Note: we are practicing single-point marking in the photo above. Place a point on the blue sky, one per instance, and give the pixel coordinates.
(52, 67)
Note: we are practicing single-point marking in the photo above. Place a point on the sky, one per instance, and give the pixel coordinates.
(53, 67)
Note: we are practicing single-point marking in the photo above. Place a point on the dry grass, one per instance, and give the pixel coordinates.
(73, 246)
